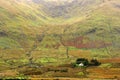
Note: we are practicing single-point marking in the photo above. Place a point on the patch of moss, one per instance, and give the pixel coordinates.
(81, 73)
(106, 65)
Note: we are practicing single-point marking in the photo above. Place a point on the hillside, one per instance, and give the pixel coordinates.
(44, 38)
(98, 21)
(74, 8)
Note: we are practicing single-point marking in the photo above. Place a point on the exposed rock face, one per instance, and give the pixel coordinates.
(67, 8)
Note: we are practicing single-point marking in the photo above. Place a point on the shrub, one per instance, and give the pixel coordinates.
(82, 60)
(94, 62)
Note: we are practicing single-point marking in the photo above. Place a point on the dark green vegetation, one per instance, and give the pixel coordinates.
(41, 33)
(83, 62)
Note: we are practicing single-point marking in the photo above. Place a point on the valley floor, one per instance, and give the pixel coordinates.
(109, 70)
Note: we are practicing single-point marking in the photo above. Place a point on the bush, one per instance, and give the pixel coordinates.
(85, 62)
(82, 60)
(94, 62)
(73, 65)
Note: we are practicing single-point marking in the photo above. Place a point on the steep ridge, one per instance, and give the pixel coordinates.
(71, 9)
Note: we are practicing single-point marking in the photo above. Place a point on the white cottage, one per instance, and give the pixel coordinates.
(81, 64)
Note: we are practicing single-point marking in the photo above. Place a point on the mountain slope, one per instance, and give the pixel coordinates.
(22, 12)
(92, 24)
(18, 17)
(71, 9)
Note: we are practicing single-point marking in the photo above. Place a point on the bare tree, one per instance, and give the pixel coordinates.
(63, 41)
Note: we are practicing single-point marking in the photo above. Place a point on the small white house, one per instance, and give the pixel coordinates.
(81, 64)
